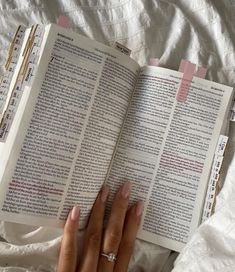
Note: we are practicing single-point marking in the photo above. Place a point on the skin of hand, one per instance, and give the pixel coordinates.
(118, 237)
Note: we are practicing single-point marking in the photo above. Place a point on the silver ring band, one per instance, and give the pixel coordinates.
(110, 256)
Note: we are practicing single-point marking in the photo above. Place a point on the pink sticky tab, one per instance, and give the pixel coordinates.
(182, 65)
(154, 62)
(201, 72)
(185, 82)
(63, 21)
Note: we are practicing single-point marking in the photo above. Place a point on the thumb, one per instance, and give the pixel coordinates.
(68, 250)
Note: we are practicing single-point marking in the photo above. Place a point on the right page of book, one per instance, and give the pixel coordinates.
(166, 149)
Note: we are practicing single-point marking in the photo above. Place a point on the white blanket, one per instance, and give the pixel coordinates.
(200, 31)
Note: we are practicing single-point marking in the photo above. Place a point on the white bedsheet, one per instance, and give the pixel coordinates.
(200, 31)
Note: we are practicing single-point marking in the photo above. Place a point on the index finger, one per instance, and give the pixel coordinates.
(68, 250)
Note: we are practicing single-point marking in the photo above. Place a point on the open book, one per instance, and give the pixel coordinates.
(78, 114)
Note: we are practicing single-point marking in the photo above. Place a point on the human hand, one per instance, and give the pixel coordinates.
(118, 237)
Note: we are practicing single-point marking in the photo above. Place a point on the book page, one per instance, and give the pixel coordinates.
(69, 129)
(166, 148)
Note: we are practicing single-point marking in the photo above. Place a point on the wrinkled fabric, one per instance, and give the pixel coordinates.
(200, 31)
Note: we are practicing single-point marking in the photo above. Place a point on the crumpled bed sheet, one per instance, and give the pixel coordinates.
(200, 31)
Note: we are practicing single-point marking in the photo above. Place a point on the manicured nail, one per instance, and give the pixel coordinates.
(126, 189)
(75, 213)
(104, 193)
(139, 208)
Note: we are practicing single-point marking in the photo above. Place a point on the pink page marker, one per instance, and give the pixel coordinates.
(201, 72)
(182, 65)
(154, 62)
(63, 21)
(188, 73)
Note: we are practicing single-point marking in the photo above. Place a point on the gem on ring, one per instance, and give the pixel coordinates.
(111, 257)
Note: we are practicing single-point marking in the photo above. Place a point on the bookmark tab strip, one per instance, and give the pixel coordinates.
(24, 78)
(199, 72)
(189, 69)
(182, 65)
(13, 55)
(222, 142)
(214, 177)
(63, 21)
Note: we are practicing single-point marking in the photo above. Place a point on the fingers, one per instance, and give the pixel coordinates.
(94, 234)
(118, 238)
(113, 233)
(68, 251)
(132, 222)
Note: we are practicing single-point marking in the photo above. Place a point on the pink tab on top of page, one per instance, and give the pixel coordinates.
(186, 80)
(154, 62)
(182, 65)
(63, 21)
(201, 72)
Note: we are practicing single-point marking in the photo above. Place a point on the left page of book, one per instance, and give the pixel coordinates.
(65, 132)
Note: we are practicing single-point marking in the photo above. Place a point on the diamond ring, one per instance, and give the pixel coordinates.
(110, 256)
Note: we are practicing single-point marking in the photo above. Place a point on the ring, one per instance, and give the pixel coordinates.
(111, 257)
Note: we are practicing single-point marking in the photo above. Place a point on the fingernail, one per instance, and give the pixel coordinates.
(126, 189)
(75, 213)
(104, 194)
(139, 208)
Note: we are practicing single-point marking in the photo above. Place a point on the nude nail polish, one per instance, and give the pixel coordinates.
(139, 208)
(75, 213)
(126, 189)
(104, 194)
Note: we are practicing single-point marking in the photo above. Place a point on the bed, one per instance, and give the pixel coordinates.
(200, 31)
